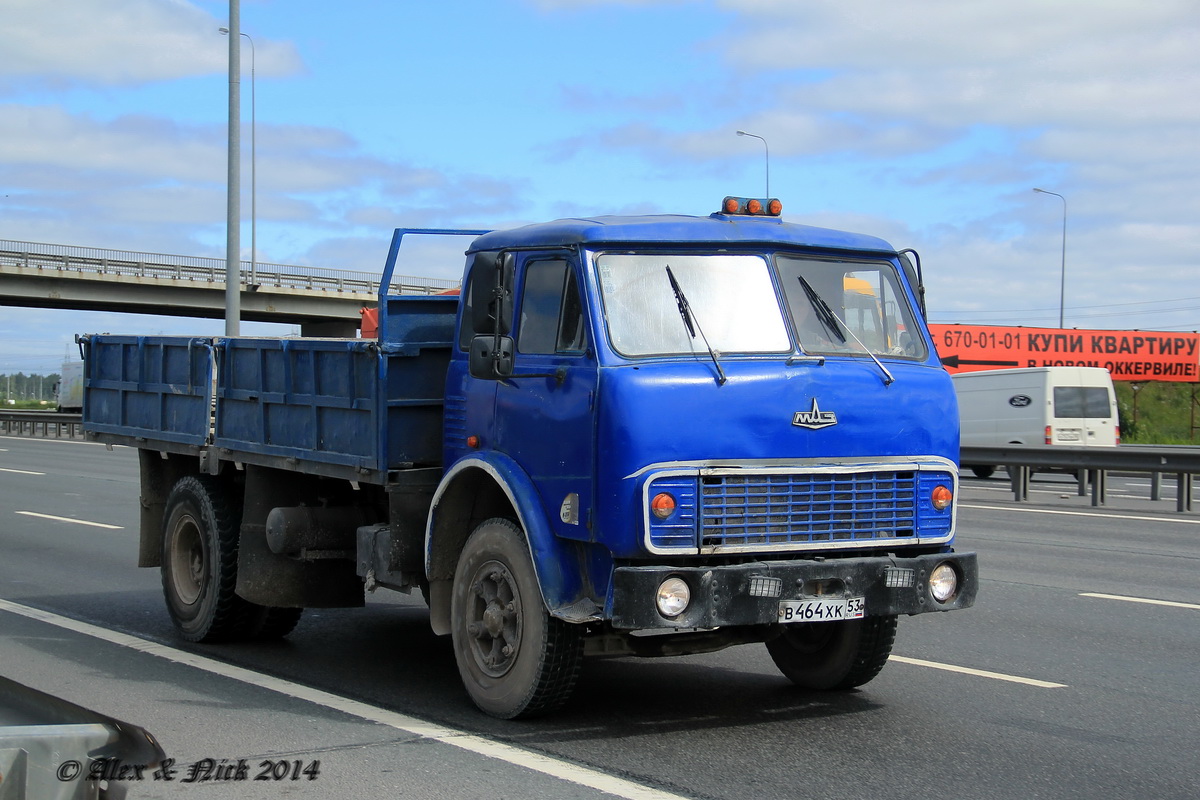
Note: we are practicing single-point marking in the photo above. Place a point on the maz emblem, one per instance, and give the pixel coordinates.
(814, 418)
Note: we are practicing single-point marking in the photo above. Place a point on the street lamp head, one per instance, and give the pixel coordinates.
(741, 133)
(224, 31)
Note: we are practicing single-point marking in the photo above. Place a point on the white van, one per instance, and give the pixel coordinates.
(1073, 406)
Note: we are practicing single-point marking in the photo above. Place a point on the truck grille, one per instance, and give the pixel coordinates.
(820, 509)
(788, 509)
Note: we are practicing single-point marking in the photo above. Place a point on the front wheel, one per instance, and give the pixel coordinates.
(833, 655)
(514, 658)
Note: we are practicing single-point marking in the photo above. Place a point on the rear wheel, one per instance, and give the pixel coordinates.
(199, 562)
(275, 623)
(514, 658)
(199, 568)
(833, 655)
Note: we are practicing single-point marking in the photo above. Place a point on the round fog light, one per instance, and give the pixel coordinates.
(943, 582)
(673, 597)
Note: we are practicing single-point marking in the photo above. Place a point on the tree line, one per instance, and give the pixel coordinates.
(19, 387)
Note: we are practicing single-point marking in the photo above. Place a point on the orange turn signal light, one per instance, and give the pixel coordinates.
(663, 505)
(941, 497)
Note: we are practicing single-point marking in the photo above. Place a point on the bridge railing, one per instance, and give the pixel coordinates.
(99, 261)
(1091, 466)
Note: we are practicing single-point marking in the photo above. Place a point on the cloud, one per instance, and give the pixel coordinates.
(120, 43)
(139, 182)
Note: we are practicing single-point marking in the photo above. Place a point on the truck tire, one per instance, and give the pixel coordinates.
(983, 470)
(274, 622)
(514, 658)
(199, 563)
(833, 655)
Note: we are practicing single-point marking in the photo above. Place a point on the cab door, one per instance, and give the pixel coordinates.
(545, 411)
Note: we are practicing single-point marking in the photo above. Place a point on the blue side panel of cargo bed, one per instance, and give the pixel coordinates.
(303, 399)
(372, 406)
(153, 387)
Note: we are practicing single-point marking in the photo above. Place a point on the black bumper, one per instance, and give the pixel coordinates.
(749, 594)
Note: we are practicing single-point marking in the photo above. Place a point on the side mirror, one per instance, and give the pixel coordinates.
(491, 292)
(491, 357)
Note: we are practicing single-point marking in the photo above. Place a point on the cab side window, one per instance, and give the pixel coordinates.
(551, 319)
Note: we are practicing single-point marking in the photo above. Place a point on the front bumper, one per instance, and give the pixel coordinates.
(749, 594)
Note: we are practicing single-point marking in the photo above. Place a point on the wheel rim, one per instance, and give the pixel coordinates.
(188, 567)
(494, 619)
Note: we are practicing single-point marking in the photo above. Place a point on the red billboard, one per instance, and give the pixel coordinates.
(1128, 355)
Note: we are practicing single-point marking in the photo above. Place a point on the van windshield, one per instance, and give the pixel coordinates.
(732, 299)
(866, 296)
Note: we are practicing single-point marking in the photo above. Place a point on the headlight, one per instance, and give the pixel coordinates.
(673, 597)
(943, 582)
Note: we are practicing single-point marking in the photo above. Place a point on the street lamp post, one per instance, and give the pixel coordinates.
(1062, 287)
(767, 156)
(233, 180)
(253, 162)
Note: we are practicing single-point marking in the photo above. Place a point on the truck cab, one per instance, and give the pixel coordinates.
(697, 425)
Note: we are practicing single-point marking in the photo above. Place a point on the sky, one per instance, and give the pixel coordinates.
(925, 123)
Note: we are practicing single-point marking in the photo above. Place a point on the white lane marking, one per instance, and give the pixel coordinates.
(546, 765)
(979, 673)
(57, 440)
(68, 519)
(1191, 521)
(1146, 600)
(20, 471)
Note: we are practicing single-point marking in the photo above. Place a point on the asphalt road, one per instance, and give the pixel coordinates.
(1075, 676)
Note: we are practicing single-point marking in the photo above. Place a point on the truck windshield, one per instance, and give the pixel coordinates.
(865, 296)
(731, 297)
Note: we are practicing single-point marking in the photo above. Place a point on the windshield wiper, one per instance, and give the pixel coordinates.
(824, 312)
(692, 325)
(836, 325)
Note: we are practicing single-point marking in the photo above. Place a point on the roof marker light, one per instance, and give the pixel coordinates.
(752, 206)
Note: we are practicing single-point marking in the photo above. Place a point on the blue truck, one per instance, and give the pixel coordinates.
(644, 435)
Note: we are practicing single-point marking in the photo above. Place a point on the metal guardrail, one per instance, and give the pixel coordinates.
(43, 423)
(1091, 465)
(200, 269)
(51, 749)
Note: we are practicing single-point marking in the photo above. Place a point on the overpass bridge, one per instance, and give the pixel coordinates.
(324, 302)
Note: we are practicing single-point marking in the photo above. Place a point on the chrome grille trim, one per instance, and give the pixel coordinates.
(778, 508)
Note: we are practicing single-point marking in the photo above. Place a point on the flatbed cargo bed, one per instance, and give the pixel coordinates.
(358, 409)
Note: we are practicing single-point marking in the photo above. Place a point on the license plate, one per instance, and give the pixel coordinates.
(1069, 435)
(825, 610)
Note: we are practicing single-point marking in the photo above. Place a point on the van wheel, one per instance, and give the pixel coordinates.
(833, 655)
(514, 658)
(199, 562)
